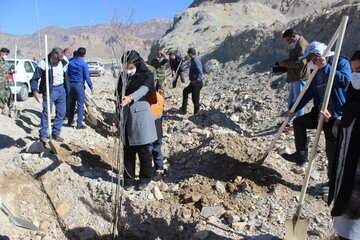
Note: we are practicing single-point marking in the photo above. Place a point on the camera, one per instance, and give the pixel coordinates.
(277, 69)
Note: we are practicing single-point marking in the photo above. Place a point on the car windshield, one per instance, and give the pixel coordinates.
(11, 62)
(92, 63)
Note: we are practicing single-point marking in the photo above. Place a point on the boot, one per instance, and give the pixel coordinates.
(298, 157)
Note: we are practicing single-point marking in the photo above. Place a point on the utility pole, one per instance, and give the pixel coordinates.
(37, 23)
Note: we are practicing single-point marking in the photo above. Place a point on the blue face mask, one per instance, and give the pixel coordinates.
(69, 57)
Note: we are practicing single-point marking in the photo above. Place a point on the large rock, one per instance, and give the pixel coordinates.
(35, 147)
(220, 187)
(201, 235)
(212, 211)
(158, 195)
(211, 65)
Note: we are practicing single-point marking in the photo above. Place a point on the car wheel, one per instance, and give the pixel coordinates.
(24, 93)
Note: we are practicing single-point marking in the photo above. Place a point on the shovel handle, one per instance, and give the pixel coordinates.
(178, 68)
(311, 77)
(47, 87)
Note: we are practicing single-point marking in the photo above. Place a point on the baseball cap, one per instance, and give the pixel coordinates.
(317, 48)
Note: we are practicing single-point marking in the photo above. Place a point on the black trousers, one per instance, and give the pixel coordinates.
(310, 121)
(144, 157)
(182, 78)
(194, 89)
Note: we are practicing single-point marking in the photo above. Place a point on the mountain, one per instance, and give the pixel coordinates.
(211, 26)
(101, 41)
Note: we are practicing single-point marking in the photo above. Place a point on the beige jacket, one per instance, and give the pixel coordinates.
(297, 70)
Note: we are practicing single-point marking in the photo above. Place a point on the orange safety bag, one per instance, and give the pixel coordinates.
(158, 107)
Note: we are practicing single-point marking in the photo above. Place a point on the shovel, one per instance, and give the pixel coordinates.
(177, 70)
(53, 146)
(259, 162)
(14, 113)
(296, 228)
(93, 117)
(17, 221)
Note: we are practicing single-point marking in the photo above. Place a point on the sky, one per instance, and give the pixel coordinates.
(19, 16)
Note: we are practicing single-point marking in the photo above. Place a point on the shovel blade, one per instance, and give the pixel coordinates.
(296, 229)
(22, 223)
(17, 221)
(258, 163)
(92, 119)
(15, 114)
(54, 147)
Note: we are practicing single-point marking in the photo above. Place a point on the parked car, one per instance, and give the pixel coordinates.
(96, 67)
(25, 69)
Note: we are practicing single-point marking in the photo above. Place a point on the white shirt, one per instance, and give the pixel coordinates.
(58, 72)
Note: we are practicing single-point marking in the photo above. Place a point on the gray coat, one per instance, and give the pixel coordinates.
(139, 121)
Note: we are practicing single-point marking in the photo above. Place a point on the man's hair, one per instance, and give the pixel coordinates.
(5, 50)
(66, 49)
(56, 53)
(75, 54)
(289, 33)
(81, 52)
(171, 53)
(192, 51)
(355, 56)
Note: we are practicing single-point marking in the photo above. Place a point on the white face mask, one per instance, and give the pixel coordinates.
(5, 57)
(311, 65)
(355, 80)
(130, 72)
(293, 45)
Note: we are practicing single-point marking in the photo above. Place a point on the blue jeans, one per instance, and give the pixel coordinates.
(77, 96)
(57, 97)
(155, 150)
(295, 89)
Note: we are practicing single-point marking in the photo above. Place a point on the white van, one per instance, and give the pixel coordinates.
(25, 69)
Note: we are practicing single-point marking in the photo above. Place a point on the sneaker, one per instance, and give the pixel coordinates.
(299, 157)
(143, 184)
(81, 127)
(323, 188)
(182, 111)
(57, 138)
(44, 139)
(128, 184)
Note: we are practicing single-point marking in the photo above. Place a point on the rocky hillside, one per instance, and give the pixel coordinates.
(98, 39)
(242, 27)
(291, 8)
(260, 48)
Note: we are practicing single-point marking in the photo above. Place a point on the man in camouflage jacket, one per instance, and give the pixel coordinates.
(5, 94)
(159, 64)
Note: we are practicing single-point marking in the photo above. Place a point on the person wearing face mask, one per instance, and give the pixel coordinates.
(316, 92)
(5, 93)
(67, 54)
(58, 88)
(134, 93)
(345, 174)
(297, 72)
(159, 63)
(78, 74)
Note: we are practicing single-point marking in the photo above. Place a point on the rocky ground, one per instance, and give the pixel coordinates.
(208, 192)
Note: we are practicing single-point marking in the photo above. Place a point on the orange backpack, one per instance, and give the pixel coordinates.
(158, 107)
